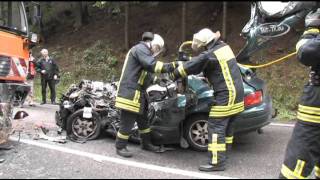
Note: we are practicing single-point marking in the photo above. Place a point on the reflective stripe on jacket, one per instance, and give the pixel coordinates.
(221, 69)
(139, 61)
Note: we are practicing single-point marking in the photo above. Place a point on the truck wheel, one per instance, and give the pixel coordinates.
(196, 132)
(83, 129)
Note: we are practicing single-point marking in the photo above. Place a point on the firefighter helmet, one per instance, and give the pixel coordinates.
(313, 19)
(203, 38)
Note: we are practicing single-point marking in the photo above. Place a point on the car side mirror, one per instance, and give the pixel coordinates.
(20, 115)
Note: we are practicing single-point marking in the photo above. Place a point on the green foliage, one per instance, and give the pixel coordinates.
(114, 7)
(97, 62)
(285, 82)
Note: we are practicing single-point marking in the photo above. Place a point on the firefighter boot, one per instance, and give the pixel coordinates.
(146, 143)
(121, 147)
(124, 152)
(210, 167)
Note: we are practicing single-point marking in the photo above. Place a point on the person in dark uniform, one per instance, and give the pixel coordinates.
(303, 150)
(49, 71)
(219, 66)
(140, 61)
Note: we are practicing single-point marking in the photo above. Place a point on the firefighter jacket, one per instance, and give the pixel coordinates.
(220, 67)
(308, 50)
(139, 61)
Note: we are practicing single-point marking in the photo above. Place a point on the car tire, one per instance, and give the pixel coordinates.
(92, 126)
(196, 132)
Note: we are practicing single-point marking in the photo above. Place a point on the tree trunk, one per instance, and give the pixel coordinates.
(183, 22)
(78, 13)
(224, 21)
(41, 33)
(2, 8)
(85, 13)
(126, 26)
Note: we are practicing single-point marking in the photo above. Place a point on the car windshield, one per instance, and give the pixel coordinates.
(12, 17)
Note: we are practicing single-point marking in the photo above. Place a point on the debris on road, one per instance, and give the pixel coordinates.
(41, 134)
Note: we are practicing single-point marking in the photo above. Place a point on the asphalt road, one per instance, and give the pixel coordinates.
(253, 156)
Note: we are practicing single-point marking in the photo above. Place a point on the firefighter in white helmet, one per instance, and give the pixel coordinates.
(303, 150)
(140, 61)
(219, 66)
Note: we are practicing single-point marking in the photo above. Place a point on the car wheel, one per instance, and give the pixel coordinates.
(82, 128)
(196, 132)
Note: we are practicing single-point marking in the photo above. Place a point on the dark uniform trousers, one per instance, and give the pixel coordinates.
(135, 77)
(303, 150)
(127, 121)
(219, 66)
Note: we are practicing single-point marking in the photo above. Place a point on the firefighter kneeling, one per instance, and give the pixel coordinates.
(303, 150)
(131, 90)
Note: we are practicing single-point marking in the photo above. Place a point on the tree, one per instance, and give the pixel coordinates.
(224, 21)
(82, 14)
(183, 21)
(126, 24)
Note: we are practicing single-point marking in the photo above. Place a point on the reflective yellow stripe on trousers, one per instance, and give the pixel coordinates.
(214, 147)
(297, 173)
(317, 171)
(229, 140)
(122, 136)
(144, 131)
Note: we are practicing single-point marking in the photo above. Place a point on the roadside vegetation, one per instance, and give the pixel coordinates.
(95, 47)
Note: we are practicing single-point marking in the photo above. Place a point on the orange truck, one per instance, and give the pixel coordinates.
(15, 41)
(15, 44)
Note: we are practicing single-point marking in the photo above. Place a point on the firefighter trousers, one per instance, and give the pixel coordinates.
(127, 121)
(303, 150)
(220, 136)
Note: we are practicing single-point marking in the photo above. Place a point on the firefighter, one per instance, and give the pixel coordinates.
(303, 150)
(131, 91)
(219, 66)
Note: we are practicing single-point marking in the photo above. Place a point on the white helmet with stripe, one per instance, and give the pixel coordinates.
(203, 38)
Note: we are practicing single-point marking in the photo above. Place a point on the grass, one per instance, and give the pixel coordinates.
(285, 83)
(97, 62)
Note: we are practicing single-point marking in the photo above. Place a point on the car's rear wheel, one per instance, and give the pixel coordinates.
(196, 132)
(82, 128)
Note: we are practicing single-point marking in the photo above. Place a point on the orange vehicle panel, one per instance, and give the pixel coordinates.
(13, 46)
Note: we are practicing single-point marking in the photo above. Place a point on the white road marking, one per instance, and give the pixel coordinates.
(101, 158)
(282, 124)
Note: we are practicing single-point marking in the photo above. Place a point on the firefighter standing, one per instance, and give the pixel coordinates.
(219, 66)
(303, 150)
(131, 91)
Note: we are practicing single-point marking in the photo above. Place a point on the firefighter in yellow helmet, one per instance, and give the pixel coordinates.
(139, 63)
(219, 66)
(303, 150)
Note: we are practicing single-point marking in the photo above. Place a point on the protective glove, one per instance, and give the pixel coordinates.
(182, 56)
